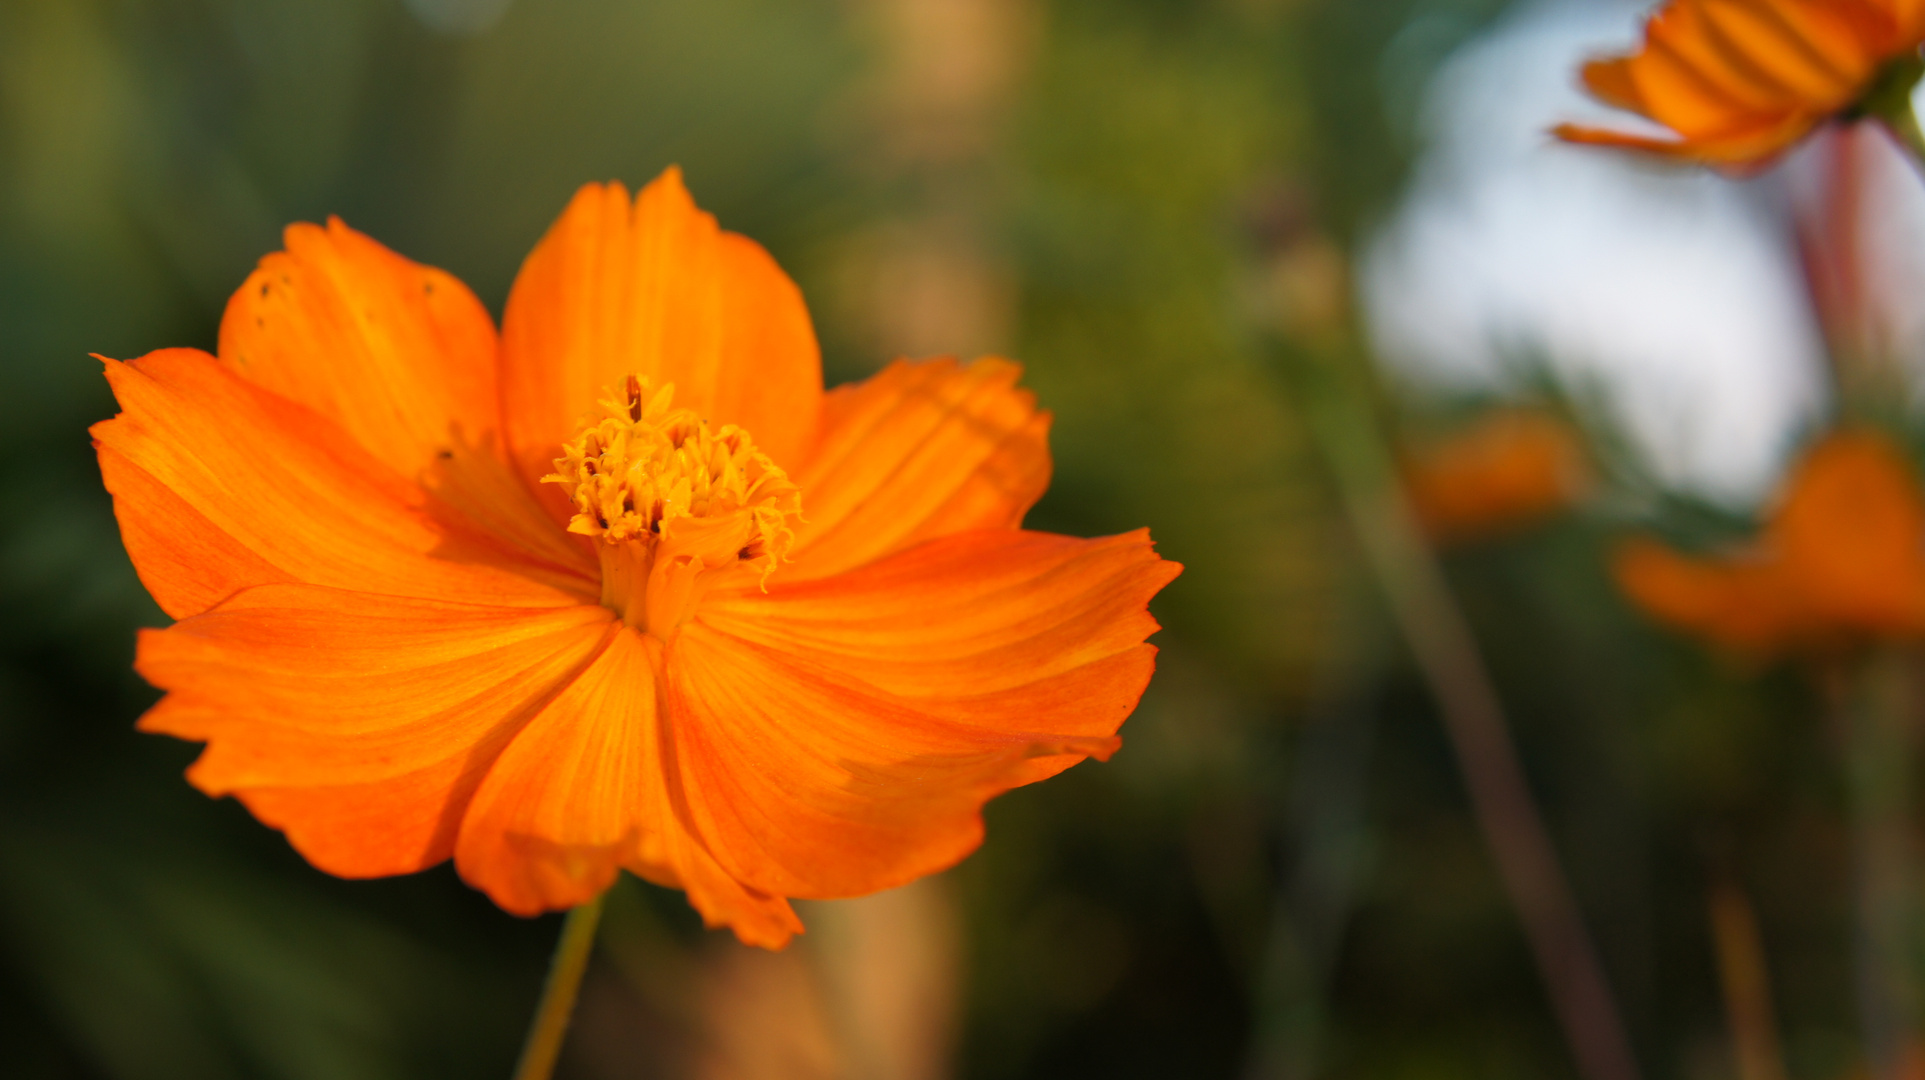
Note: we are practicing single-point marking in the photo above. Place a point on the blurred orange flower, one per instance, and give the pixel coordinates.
(1739, 81)
(1842, 558)
(621, 588)
(1511, 468)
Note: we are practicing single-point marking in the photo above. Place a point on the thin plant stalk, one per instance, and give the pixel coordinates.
(1905, 131)
(1878, 747)
(1872, 705)
(1315, 898)
(1420, 602)
(1746, 982)
(550, 1027)
(1890, 102)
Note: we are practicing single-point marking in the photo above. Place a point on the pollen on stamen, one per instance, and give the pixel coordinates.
(644, 466)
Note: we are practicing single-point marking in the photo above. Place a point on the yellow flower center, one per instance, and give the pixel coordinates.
(677, 508)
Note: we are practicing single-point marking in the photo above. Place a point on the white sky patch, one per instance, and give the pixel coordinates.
(1673, 291)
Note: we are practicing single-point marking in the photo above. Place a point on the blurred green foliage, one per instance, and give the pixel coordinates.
(1277, 877)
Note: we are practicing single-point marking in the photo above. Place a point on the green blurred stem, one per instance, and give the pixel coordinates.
(1746, 983)
(1904, 128)
(558, 994)
(1878, 747)
(1348, 432)
(1890, 101)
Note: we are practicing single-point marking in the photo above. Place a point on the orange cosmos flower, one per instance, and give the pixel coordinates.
(1512, 467)
(1739, 81)
(622, 589)
(1842, 559)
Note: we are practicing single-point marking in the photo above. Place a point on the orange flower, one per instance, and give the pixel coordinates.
(1511, 468)
(1740, 81)
(1842, 558)
(622, 589)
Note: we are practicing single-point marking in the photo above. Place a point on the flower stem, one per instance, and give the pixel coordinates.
(545, 1035)
(1904, 128)
(1878, 747)
(1890, 101)
(1348, 432)
(1747, 986)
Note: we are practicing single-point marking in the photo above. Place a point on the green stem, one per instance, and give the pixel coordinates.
(1349, 434)
(1905, 130)
(1746, 984)
(558, 994)
(1878, 748)
(1890, 101)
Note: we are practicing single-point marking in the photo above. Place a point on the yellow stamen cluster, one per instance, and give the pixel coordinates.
(650, 473)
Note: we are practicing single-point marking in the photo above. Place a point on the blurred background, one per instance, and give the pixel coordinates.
(1170, 211)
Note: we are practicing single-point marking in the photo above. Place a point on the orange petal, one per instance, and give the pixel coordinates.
(1694, 36)
(654, 288)
(220, 485)
(186, 561)
(1740, 80)
(401, 825)
(1680, 97)
(840, 736)
(562, 804)
(1511, 467)
(1907, 21)
(586, 788)
(1623, 140)
(921, 450)
(1609, 80)
(1741, 605)
(1852, 534)
(1734, 152)
(359, 724)
(1811, 49)
(401, 356)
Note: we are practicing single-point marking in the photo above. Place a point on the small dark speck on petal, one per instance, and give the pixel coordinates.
(258, 321)
(264, 288)
(445, 455)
